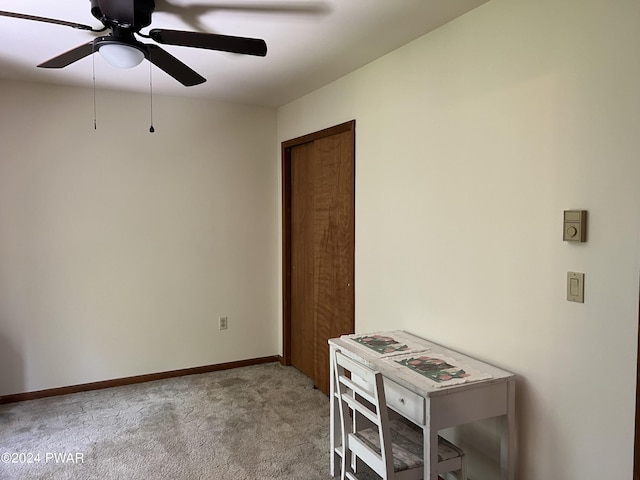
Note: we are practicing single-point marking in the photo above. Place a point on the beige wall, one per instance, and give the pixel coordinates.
(119, 248)
(471, 141)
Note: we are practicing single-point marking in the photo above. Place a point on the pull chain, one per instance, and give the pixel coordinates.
(151, 129)
(95, 115)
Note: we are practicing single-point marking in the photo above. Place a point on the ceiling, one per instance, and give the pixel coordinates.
(310, 43)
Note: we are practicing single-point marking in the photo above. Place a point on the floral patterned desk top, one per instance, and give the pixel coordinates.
(434, 368)
(411, 358)
(382, 344)
(387, 343)
(444, 371)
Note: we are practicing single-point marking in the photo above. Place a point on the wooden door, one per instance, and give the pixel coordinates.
(318, 247)
(303, 293)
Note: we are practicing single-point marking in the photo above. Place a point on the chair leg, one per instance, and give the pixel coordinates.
(460, 474)
(346, 463)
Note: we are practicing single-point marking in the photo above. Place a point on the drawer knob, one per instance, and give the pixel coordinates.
(402, 401)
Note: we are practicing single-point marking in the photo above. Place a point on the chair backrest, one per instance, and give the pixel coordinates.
(363, 394)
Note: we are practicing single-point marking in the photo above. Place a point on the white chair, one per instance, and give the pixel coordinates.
(391, 448)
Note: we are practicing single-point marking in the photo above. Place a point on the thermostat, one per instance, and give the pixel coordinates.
(575, 226)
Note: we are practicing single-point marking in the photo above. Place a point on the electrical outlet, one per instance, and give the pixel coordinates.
(223, 323)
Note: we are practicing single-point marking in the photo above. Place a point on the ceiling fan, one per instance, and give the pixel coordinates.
(121, 48)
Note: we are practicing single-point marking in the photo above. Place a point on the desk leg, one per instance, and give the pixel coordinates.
(430, 452)
(334, 420)
(508, 435)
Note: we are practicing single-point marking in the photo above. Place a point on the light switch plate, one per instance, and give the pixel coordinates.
(575, 287)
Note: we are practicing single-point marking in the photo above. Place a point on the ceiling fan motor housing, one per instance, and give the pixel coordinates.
(125, 19)
(142, 10)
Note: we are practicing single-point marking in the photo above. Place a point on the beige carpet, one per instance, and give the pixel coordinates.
(259, 422)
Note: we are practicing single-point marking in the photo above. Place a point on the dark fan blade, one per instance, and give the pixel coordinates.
(118, 10)
(193, 13)
(211, 41)
(79, 26)
(67, 58)
(195, 9)
(172, 66)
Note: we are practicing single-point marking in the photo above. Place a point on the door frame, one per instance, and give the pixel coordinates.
(286, 147)
(636, 448)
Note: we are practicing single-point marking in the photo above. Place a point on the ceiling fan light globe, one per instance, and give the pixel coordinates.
(121, 56)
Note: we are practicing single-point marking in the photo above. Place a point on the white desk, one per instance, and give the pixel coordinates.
(432, 405)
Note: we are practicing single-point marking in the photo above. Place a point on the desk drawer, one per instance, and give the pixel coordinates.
(404, 401)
